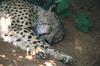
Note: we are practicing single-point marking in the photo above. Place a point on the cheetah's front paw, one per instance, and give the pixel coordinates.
(41, 55)
(67, 59)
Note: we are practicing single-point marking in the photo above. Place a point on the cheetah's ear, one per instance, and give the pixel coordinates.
(50, 9)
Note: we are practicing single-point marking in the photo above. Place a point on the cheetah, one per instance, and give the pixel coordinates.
(16, 19)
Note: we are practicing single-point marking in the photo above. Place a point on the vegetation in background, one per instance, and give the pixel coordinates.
(63, 7)
(83, 22)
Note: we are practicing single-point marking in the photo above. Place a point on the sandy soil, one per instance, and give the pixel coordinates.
(83, 47)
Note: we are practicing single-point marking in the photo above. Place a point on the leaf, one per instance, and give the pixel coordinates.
(83, 22)
(62, 5)
(65, 13)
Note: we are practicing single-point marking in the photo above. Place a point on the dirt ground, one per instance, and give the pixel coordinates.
(83, 47)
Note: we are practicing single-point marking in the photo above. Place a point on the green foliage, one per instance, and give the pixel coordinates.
(83, 22)
(65, 13)
(63, 7)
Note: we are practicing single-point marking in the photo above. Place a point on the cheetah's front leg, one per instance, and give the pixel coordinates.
(66, 59)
